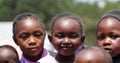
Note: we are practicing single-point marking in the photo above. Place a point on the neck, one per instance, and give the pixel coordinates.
(65, 59)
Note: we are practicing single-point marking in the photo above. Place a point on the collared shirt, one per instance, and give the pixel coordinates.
(45, 58)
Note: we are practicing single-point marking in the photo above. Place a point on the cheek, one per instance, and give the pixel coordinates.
(100, 43)
(56, 41)
(76, 41)
(116, 48)
(20, 42)
(116, 43)
(40, 40)
(40, 43)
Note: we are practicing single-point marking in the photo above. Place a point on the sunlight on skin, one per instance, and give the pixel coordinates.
(29, 23)
(66, 23)
(109, 22)
(5, 53)
(89, 55)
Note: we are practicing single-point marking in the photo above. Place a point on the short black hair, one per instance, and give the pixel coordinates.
(115, 13)
(16, 57)
(23, 16)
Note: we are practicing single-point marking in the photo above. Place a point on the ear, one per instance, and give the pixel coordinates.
(82, 39)
(50, 38)
(14, 38)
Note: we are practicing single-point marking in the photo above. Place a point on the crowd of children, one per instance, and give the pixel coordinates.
(67, 36)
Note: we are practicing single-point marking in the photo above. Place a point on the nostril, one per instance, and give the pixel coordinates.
(106, 44)
(32, 43)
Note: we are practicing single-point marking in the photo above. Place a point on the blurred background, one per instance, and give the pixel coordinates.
(89, 10)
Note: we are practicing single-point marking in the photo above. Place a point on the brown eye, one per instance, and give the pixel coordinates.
(100, 37)
(24, 36)
(114, 36)
(73, 35)
(38, 35)
(59, 35)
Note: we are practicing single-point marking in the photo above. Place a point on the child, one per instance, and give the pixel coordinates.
(108, 34)
(8, 54)
(9, 41)
(93, 54)
(67, 36)
(29, 34)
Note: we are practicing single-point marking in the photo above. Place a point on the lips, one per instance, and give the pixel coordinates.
(66, 47)
(109, 50)
(33, 49)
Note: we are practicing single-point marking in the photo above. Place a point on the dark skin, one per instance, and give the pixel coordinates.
(66, 37)
(108, 35)
(30, 37)
(7, 56)
(91, 57)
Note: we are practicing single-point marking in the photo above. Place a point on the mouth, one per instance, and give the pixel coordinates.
(66, 47)
(109, 50)
(33, 49)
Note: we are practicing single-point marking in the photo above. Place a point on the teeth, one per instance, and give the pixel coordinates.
(66, 47)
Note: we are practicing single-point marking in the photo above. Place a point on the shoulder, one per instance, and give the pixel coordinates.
(46, 57)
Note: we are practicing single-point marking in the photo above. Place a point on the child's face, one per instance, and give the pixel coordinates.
(66, 36)
(108, 35)
(7, 56)
(30, 37)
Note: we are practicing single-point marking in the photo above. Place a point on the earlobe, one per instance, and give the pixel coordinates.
(15, 40)
(50, 38)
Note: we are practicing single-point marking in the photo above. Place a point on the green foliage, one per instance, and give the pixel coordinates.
(47, 9)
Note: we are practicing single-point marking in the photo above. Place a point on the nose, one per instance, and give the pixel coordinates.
(107, 42)
(32, 41)
(66, 40)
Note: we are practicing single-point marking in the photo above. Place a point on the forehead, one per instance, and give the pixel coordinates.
(66, 23)
(29, 23)
(109, 21)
